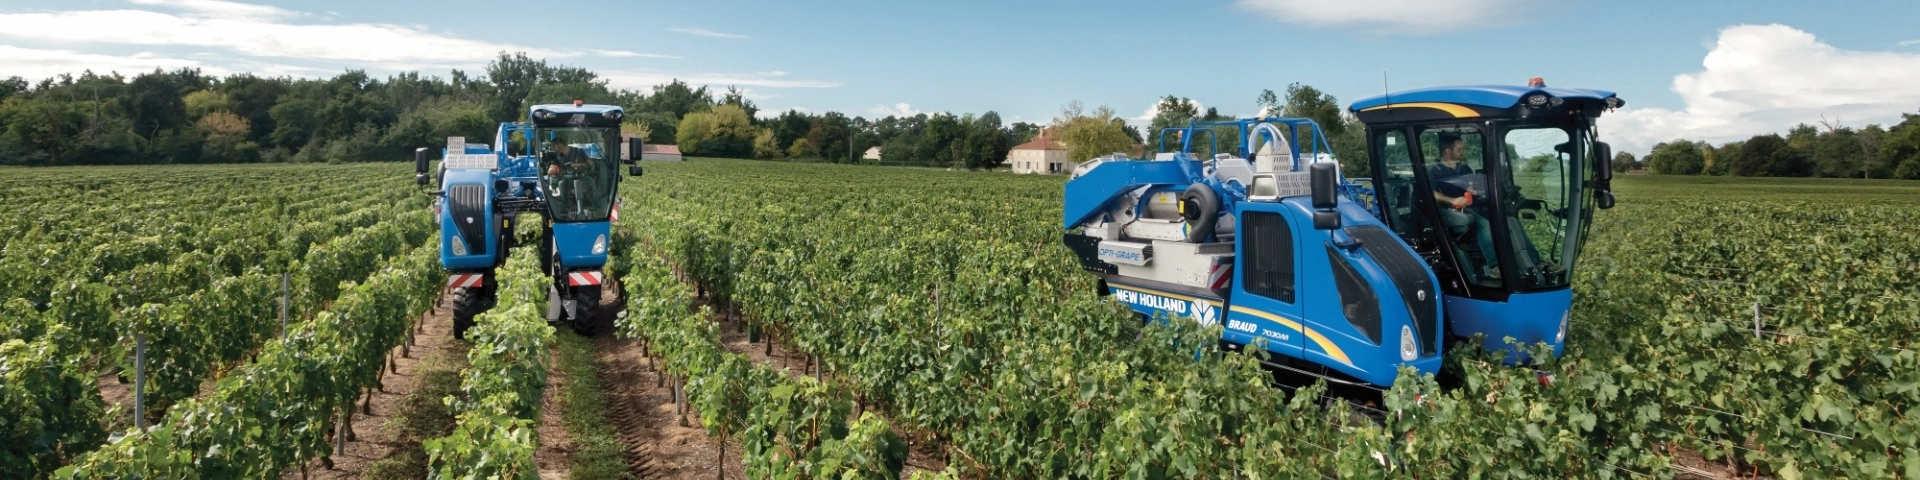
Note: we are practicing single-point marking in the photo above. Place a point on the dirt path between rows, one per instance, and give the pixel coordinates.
(641, 410)
(375, 437)
(555, 444)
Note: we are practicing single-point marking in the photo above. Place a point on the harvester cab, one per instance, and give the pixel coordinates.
(1495, 187)
(563, 164)
(1471, 221)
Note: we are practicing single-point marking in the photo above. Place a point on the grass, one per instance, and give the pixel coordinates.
(597, 453)
(423, 414)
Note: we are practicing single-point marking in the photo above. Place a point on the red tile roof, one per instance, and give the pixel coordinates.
(1043, 141)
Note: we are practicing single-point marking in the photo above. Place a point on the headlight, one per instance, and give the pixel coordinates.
(542, 114)
(1561, 337)
(1408, 346)
(1537, 100)
(1613, 102)
(459, 247)
(600, 245)
(614, 115)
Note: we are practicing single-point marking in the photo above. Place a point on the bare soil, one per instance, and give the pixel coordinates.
(1693, 466)
(642, 411)
(555, 444)
(372, 439)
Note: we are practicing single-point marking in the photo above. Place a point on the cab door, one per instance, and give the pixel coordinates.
(1265, 304)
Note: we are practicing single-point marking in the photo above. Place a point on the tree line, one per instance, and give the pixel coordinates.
(184, 116)
(1827, 150)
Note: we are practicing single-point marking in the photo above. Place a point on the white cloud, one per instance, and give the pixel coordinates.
(271, 32)
(709, 33)
(898, 110)
(222, 37)
(1910, 43)
(1762, 79)
(647, 78)
(624, 53)
(35, 64)
(224, 9)
(1394, 16)
(247, 33)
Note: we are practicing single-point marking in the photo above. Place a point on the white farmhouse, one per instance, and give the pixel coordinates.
(1041, 155)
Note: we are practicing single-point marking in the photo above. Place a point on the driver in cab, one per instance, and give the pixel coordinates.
(1450, 181)
(566, 158)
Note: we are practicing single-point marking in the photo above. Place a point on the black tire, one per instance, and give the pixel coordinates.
(587, 321)
(1200, 206)
(468, 303)
(546, 251)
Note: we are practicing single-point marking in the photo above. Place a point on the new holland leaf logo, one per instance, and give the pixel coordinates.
(1204, 312)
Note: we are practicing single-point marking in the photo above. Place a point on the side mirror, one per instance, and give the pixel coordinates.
(1325, 178)
(634, 170)
(1603, 165)
(633, 151)
(1604, 198)
(420, 160)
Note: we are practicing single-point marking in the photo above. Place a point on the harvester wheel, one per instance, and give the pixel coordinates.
(1200, 207)
(468, 303)
(586, 320)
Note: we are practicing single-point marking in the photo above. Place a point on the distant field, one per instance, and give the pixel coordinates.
(1666, 187)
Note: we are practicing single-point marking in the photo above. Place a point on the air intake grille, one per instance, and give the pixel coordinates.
(468, 205)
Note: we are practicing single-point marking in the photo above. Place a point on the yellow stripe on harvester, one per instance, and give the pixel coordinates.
(1333, 351)
(1458, 111)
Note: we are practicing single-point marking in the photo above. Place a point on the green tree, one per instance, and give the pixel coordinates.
(1873, 140)
(789, 126)
(203, 102)
(677, 99)
(1678, 157)
(1307, 102)
(764, 147)
(723, 131)
(1837, 153)
(1268, 103)
(829, 136)
(803, 148)
(1091, 134)
(1623, 162)
(1171, 112)
(154, 101)
(1720, 159)
(295, 119)
(738, 98)
(1901, 152)
(1769, 156)
(513, 77)
(253, 98)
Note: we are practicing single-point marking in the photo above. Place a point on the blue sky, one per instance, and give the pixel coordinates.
(1704, 70)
